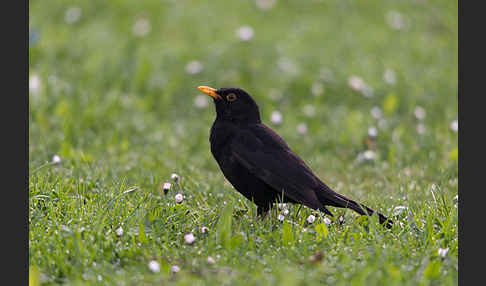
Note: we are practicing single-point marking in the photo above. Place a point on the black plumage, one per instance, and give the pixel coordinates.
(258, 162)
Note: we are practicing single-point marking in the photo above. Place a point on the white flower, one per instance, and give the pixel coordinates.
(317, 89)
(327, 221)
(367, 91)
(356, 83)
(245, 33)
(372, 131)
(367, 155)
(189, 238)
(419, 112)
(398, 210)
(287, 66)
(276, 118)
(389, 77)
(302, 129)
(341, 219)
(211, 260)
(265, 4)
(56, 159)
(204, 229)
(311, 219)
(119, 231)
(175, 269)
(443, 252)
(280, 217)
(194, 67)
(34, 84)
(166, 187)
(72, 15)
(201, 102)
(395, 20)
(154, 266)
(282, 206)
(174, 177)
(454, 125)
(179, 198)
(309, 110)
(141, 27)
(285, 212)
(376, 112)
(420, 128)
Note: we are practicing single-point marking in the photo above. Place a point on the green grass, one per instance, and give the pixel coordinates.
(119, 111)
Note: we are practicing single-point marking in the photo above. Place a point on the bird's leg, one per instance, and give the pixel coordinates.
(261, 212)
(262, 217)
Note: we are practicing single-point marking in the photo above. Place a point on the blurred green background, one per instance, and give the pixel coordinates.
(367, 91)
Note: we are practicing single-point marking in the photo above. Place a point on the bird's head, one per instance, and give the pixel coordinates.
(233, 104)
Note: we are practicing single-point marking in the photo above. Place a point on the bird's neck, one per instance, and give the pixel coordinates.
(240, 120)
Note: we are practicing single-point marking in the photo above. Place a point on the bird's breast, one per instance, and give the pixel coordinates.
(219, 138)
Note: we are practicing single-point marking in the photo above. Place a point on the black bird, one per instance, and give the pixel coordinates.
(258, 162)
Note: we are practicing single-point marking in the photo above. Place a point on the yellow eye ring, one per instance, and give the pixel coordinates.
(231, 97)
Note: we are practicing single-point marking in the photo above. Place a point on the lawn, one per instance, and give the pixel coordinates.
(367, 95)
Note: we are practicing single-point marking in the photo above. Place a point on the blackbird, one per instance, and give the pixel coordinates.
(258, 162)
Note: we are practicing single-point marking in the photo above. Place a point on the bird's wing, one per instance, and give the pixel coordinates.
(269, 158)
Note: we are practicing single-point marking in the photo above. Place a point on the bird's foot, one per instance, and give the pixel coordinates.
(262, 216)
(261, 213)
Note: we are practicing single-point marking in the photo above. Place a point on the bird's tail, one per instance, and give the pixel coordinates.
(331, 198)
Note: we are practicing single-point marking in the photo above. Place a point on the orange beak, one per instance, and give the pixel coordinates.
(209, 91)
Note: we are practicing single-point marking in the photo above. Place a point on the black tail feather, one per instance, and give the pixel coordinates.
(331, 198)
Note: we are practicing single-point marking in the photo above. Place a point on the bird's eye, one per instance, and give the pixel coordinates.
(231, 97)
